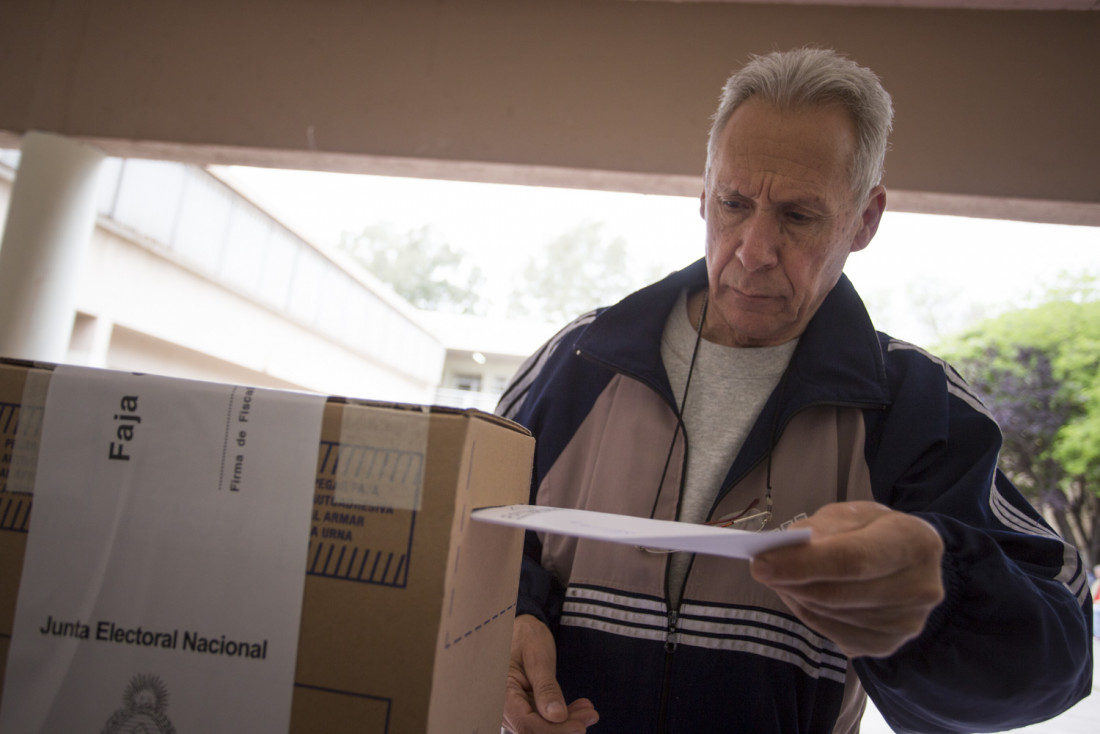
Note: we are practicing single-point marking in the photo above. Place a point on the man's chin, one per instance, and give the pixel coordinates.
(749, 335)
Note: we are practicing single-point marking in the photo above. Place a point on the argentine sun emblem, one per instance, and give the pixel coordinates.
(142, 711)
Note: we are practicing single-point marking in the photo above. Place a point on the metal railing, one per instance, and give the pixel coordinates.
(484, 401)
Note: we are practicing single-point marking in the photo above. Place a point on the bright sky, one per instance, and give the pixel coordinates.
(923, 276)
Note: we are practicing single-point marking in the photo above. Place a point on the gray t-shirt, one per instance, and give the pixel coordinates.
(729, 386)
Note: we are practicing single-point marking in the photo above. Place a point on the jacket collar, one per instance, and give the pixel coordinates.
(626, 337)
(838, 359)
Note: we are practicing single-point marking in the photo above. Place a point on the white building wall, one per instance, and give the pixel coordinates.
(482, 355)
(187, 278)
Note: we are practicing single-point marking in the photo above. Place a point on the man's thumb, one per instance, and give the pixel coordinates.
(550, 701)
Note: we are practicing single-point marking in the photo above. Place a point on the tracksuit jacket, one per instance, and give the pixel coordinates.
(856, 416)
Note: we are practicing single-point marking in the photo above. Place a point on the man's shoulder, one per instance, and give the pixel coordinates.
(901, 353)
(914, 369)
(515, 394)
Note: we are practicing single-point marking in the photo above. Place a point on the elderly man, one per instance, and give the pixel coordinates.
(750, 390)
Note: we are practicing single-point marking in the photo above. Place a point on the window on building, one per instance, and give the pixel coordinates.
(471, 383)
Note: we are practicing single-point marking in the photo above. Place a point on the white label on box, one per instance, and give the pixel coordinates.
(381, 460)
(164, 570)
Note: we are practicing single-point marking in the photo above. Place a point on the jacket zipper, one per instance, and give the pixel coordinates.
(673, 615)
(666, 683)
(672, 631)
(671, 635)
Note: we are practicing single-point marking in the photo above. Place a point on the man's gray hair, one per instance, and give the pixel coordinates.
(808, 77)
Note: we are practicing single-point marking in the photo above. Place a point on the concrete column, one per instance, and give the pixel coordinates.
(51, 218)
(91, 340)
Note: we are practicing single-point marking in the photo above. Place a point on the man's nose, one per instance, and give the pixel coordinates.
(759, 243)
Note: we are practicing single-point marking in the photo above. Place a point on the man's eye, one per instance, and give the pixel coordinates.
(733, 204)
(798, 217)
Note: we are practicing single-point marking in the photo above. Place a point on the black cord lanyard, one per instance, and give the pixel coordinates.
(683, 403)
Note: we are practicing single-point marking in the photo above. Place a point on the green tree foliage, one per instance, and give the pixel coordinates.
(1038, 370)
(576, 272)
(426, 272)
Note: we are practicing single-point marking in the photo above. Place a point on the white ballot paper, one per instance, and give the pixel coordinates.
(164, 571)
(641, 531)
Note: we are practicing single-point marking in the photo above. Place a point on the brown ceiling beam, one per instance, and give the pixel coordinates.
(996, 108)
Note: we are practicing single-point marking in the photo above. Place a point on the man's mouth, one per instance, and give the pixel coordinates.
(751, 295)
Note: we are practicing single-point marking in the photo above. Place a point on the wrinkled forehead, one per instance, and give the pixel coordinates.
(810, 150)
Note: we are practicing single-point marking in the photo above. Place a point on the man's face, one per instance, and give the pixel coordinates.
(781, 220)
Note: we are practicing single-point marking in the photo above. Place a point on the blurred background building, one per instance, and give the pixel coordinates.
(187, 277)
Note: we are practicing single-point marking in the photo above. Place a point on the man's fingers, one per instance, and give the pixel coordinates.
(906, 587)
(900, 617)
(539, 684)
(549, 701)
(583, 711)
(520, 716)
(537, 663)
(533, 702)
(841, 549)
(868, 579)
(877, 637)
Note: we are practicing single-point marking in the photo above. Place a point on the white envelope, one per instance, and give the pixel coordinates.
(642, 531)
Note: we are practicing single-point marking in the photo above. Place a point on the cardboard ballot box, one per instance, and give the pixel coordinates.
(407, 607)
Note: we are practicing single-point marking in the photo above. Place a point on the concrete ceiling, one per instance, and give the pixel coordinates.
(946, 4)
(997, 103)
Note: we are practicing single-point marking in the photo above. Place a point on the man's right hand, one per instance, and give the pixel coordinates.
(533, 702)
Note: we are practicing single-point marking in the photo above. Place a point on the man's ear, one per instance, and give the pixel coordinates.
(870, 218)
(703, 204)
